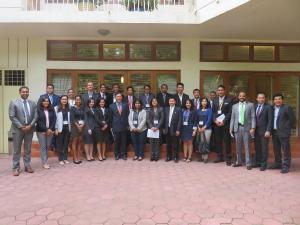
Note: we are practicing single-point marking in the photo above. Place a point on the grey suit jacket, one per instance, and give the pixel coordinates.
(17, 114)
(249, 117)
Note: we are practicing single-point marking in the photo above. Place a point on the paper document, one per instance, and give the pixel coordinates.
(221, 118)
(152, 134)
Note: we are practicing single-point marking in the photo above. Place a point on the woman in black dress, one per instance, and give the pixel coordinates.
(77, 124)
(102, 130)
(89, 134)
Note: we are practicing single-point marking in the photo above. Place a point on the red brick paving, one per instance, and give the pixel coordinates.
(146, 193)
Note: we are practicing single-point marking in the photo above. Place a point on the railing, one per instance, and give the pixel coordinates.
(100, 5)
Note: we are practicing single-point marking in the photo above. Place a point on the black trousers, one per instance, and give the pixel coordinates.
(62, 141)
(121, 144)
(284, 144)
(222, 136)
(172, 146)
(261, 150)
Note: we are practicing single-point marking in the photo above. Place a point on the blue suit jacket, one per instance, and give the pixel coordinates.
(55, 99)
(119, 122)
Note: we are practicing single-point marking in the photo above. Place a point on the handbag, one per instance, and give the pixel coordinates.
(203, 146)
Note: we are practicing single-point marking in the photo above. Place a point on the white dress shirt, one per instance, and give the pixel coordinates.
(171, 114)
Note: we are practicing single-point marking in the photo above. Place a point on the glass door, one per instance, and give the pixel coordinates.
(289, 87)
(83, 77)
(167, 77)
(138, 79)
(109, 78)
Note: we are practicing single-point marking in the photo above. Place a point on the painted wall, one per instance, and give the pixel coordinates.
(30, 55)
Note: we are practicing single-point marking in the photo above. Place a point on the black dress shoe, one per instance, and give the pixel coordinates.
(284, 170)
(117, 158)
(256, 165)
(152, 159)
(168, 159)
(176, 160)
(275, 167)
(236, 165)
(228, 163)
(218, 161)
(263, 168)
(249, 167)
(156, 159)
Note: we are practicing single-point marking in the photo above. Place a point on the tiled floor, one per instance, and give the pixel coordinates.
(146, 193)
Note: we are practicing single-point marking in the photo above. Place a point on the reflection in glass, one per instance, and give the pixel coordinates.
(238, 53)
(114, 51)
(114, 78)
(61, 82)
(169, 79)
(88, 50)
(138, 81)
(211, 83)
(238, 83)
(83, 79)
(289, 87)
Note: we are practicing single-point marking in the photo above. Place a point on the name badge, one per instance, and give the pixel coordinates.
(135, 122)
(200, 123)
(219, 111)
(185, 123)
(65, 122)
(80, 122)
(155, 122)
(147, 106)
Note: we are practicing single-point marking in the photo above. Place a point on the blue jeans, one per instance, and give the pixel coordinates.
(138, 140)
(45, 142)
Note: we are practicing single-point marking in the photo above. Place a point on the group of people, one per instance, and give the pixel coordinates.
(93, 120)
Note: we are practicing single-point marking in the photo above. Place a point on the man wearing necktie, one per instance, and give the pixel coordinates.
(146, 97)
(23, 115)
(196, 100)
(242, 127)
(173, 124)
(103, 95)
(119, 126)
(264, 118)
(283, 122)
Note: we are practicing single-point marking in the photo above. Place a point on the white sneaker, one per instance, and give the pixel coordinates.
(66, 162)
(61, 163)
(46, 166)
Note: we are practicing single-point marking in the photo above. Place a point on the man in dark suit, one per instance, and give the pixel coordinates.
(283, 122)
(196, 100)
(23, 115)
(89, 94)
(173, 123)
(103, 94)
(146, 97)
(54, 99)
(264, 118)
(180, 97)
(112, 97)
(119, 126)
(130, 98)
(163, 96)
(222, 106)
(211, 97)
